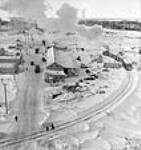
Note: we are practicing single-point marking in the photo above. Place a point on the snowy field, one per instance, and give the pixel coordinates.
(121, 128)
(110, 133)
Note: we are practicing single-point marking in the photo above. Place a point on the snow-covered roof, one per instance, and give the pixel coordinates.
(62, 58)
(53, 72)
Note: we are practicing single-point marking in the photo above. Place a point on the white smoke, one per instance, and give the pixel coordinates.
(66, 20)
(90, 32)
(33, 9)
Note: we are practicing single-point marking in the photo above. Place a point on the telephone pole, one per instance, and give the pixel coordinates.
(5, 95)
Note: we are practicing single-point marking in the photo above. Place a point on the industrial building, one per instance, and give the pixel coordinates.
(60, 64)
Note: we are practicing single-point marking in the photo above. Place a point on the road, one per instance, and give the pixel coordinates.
(27, 100)
(28, 103)
(95, 112)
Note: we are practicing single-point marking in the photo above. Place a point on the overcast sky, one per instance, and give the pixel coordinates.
(95, 8)
(104, 8)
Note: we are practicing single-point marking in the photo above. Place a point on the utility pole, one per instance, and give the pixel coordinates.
(5, 95)
(6, 101)
(28, 38)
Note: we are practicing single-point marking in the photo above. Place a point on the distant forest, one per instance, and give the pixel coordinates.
(122, 25)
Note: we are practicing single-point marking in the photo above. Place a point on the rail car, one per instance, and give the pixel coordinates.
(127, 66)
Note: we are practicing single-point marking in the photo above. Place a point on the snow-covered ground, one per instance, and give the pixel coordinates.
(69, 104)
(121, 128)
(113, 132)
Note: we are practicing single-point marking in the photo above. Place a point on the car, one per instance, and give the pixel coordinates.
(78, 58)
(87, 71)
(89, 78)
(81, 81)
(37, 50)
(84, 66)
(37, 69)
(32, 63)
(44, 59)
(17, 54)
(101, 92)
(106, 53)
(44, 42)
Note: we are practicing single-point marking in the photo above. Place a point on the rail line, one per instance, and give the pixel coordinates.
(100, 110)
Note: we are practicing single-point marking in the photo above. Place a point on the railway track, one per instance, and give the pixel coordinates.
(100, 110)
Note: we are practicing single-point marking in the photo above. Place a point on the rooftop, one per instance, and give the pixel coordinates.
(62, 58)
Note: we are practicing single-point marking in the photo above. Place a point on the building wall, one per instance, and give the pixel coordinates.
(53, 78)
(10, 59)
(55, 66)
(112, 65)
(8, 68)
(71, 72)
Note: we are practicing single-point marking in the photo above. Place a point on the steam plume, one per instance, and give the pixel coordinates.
(65, 21)
(27, 8)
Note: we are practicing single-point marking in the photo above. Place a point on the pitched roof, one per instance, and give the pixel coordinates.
(63, 58)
